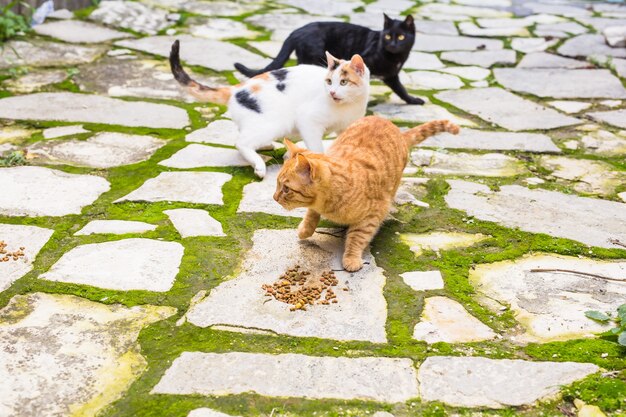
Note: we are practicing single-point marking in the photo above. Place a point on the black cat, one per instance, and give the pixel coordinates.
(384, 52)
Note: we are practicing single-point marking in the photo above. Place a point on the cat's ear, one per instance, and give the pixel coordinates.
(409, 23)
(357, 64)
(388, 21)
(333, 62)
(292, 147)
(303, 168)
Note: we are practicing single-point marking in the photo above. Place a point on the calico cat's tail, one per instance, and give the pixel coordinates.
(278, 62)
(199, 91)
(421, 133)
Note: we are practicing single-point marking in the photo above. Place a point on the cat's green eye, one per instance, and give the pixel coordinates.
(343, 82)
(387, 37)
(329, 81)
(401, 37)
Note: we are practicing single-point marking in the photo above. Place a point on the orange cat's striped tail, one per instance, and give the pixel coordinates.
(201, 92)
(421, 133)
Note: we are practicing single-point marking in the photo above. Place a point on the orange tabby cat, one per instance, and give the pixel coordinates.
(355, 182)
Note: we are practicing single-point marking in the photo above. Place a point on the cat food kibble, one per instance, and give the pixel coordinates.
(300, 289)
(6, 256)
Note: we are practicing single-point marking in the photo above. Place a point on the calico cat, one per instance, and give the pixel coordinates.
(355, 183)
(384, 52)
(305, 100)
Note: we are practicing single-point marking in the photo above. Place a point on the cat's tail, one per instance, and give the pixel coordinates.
(197, 90)
(278, 62)
(421, 133)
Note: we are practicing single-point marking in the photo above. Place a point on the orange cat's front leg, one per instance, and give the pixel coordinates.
(357, 239)
(308, 224)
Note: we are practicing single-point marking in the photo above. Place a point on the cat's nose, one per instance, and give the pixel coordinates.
(332, 94)
(276, 195)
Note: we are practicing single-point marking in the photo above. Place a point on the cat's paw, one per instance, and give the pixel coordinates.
(260, 171)
(415, 100)
(304, 231)
(352, 264)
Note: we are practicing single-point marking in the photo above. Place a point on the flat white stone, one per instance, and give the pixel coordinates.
(198, 156)
(495, 383)
(453, 9)
(382, 414)
(445, 320)
(485, 3)
(589, 177)
(519, 22)
(13, 133)
(325, 7)
(423, 61)
(506, 109)
(220, 8)
(389, 6)
(471, 29)
(559, 30)
(258, 197)
(434, 43)
(558, 9)
(194, 222)
(188, 187)
(103, 150)
(611, 103)
(36, 80)
(485, 165)
(57, 132)
(430, 80)
(219, 29)
(380, 379)
(622, 196)
(32, 239)
(128, 264)
(282, 24)
(436, 241)
(360, 313)
(550, 305)
(62, 353)
(269, 48)
(131, 15)
(115, 227)
(469, 73)
(61, 14)
(528, 45)
(77, 31)
(568, 106)
(588, 220)
(547, 60)
(620, 66)
(481, 58)
(417, 114)
(559, 83)
(46, 54)
(87, 108)
(37, 191)
(423, 280)
(586, 45)
(601, 23)
(219, 132)
(375, 21)
(603, 142)
(489, 140)
(207, 412)
(614, 117)
(193, 51)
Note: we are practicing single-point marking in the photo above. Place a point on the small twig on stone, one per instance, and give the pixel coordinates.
(321, 232)
(617, 242)
(569, 271)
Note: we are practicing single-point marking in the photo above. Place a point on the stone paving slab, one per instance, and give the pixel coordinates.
(220, 8)
(128, 264)
(468, 72)
(588, 45)
(258, 197)
(116, 227)
(588, 177)
(131, 15)
(35, 80)
(559, 83)
(388, 380)
(193, 51)
(194, 222)
(58, 132)
(490, 140)
(445, 320)
(530, 45)
(434, 43)
(199, 156)
(550, 305)
(485, 165)
(219, 132)
(417, 114)
(454, 9)
(207, 412)
(38, 191)
(430, 80)
(325, 7)
(603, 142)
(485, 59)
(87, 108)
(35, 53)
(615, 118)
(282, 24)
(506, 109)
(61, 352)
(569, 106)
(559, 29)
(423, 280)
(219, 29)
(437, 241)
(76, 31)
(103, 150)
(495, 383)
(423, 61)
(588, 220)
(188, 187)
(32, 239)
(548, 60)
(360, 313)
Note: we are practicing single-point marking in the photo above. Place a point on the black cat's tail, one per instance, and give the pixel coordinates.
(199, 91)
(278, 62)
